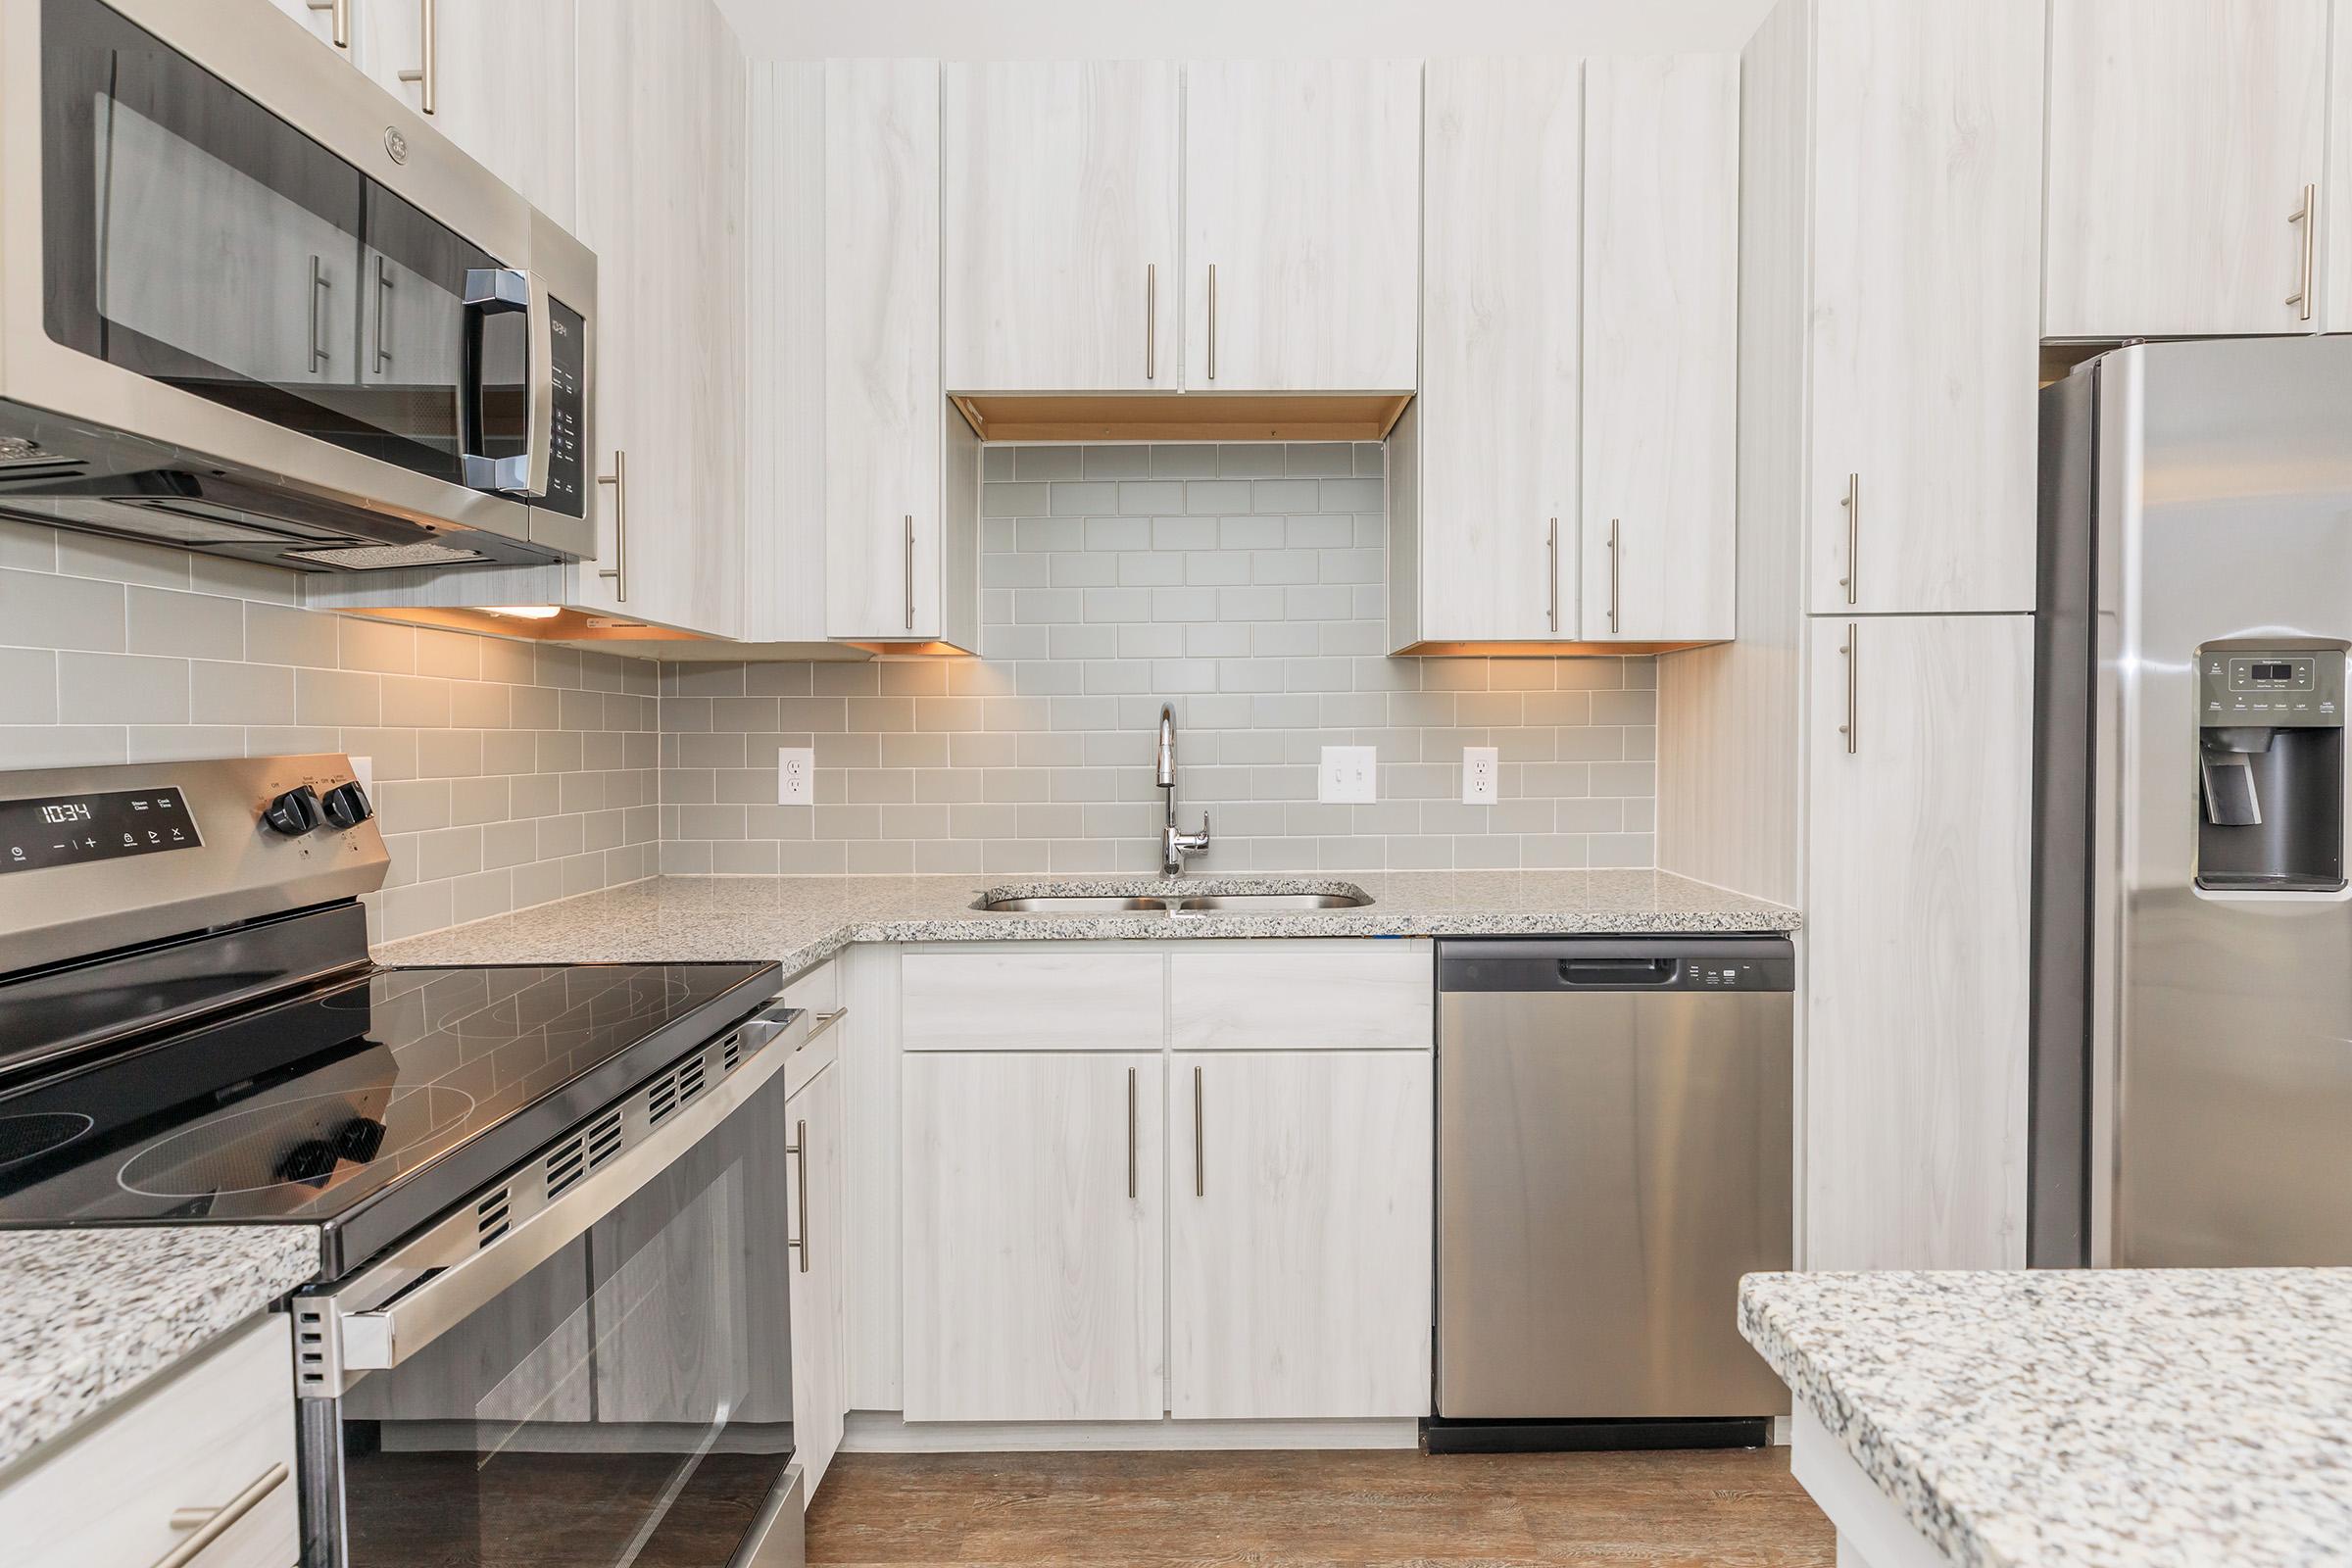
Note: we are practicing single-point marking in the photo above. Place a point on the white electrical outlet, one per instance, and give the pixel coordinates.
(796, 776)
(1482, 769)
(1351, 774)
(362, 768)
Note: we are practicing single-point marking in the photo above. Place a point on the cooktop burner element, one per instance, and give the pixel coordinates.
(30, 1136)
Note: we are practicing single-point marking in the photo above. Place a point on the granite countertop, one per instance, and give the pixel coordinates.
(803, 920)
(2124, 1418)
(86, 1316)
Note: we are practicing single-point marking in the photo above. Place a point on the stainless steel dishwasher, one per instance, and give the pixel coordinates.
(1613, 1153)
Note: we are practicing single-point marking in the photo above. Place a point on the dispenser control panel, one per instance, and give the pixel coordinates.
(2253, 687)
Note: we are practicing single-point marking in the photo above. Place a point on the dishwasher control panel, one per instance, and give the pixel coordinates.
(1588, 964)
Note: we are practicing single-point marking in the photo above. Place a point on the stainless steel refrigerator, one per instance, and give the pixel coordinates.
(2192, 1012)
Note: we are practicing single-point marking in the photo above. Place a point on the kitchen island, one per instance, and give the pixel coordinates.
(2128, 1418)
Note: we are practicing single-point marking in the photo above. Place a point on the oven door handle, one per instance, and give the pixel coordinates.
(395, 1309)
(492, 291)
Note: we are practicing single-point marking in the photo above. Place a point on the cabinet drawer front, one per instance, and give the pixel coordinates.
(818, 990)
(1058, 1000)
(1373, 997)
(204, 1438)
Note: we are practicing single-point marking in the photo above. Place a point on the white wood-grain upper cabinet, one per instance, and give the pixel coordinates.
(1661, 298)
(1924, 341)
(498, 79)
(215, 1432)
(1060, 226)
(1495, 425)
(2185, 139)
(1299, 1222)
(2335, 201)
(1034, 1241)
(820, 1352)
(1920, 753)
(661, 202)
(1302, 225)
(901, 467)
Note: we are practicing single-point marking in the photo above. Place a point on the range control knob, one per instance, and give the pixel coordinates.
(347, 806)
(292, 814)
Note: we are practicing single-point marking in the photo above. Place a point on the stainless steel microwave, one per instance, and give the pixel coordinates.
(252, 304)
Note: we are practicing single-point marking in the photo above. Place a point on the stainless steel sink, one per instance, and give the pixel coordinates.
(1077, 903)
(1269, 903)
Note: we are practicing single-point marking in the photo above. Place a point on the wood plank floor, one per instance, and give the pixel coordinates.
(1723, 1509)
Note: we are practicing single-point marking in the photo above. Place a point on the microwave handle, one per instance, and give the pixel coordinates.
(492, 291)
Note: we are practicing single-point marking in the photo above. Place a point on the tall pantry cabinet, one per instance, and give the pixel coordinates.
(1890, 301)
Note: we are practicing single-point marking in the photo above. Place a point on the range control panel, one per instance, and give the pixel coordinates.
(2254, 687)
(106, 825)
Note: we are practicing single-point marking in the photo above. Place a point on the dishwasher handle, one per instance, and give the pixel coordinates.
(1619, 974)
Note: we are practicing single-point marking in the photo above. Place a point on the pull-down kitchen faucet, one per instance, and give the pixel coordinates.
(1175, 845)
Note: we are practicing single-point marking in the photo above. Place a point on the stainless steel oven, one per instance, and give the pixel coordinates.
(251, 305)
(587, 1361)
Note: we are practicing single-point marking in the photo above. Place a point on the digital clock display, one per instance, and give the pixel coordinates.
(38, 834)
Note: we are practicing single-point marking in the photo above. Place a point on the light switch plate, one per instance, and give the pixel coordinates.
(1351, 774)
(1482, 768)
(795, 775)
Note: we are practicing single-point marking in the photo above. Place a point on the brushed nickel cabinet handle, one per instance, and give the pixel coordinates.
(1616, 555)
(1131, 1156)
(321, 286)
(1551, 561)
(1853, 659)
(342, 18)
(211, 1524)
(1212, 320)
(2308, 217)
(798, 1149)
(618, 571)
(911, 571)
(1150, 321)
(1851, 582)
(424, 75)
(1200, 1147)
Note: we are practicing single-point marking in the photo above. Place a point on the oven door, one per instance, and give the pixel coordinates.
(625, 1400)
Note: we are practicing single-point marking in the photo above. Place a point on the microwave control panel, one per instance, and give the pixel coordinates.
(2239, 686)
(566, 481)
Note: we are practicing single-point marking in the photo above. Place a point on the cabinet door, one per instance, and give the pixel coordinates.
(1060, 226)
(661, 198)
(1925, 341)
(1662, 284)
(1915, 1099)
(882, 391)
(2182, 136)
(1032, 1244)
(1301, 1230)
(2335, 201)
(1302, 225)
(504, 79)
(1497, 411)
(820, 1352)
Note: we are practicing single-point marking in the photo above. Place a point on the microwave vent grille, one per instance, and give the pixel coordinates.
(385, 557)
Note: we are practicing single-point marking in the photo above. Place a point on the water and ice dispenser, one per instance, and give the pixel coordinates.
(2270, 760)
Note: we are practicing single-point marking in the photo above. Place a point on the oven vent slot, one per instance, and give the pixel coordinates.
(731, 1054)
(565, 1167)
(310, 1346)
(662, 1100)
(604, 1140)
(690, 1080)
(490, 1218)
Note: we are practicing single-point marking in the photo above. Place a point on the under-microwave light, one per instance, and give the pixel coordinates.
(524, 611)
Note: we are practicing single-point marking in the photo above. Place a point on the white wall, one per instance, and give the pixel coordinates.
(1157, 29)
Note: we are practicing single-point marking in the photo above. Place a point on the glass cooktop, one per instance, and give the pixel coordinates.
(401, 1090)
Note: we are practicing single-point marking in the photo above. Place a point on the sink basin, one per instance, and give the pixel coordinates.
(1269, 903)
(1076, 904)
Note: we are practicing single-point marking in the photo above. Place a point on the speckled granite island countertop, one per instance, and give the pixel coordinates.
(87, 1315)
(803, 920)
(2139, 1417)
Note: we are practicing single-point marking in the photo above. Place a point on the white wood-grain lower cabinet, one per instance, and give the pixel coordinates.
(820, 1351)
(2188, 155)
(1494, 490)
(1299, 1225)
(1661, 306)
(1920, 762)
(901, 467)
(1059, 240)
(212, 1440)
(1923, 247)
(1034, 1243)
(1302, 225)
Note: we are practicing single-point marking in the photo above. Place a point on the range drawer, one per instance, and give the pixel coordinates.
(1292, 995)
(215, 1436)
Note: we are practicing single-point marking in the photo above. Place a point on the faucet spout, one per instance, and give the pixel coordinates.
(1174, 847)
(1167, 752)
